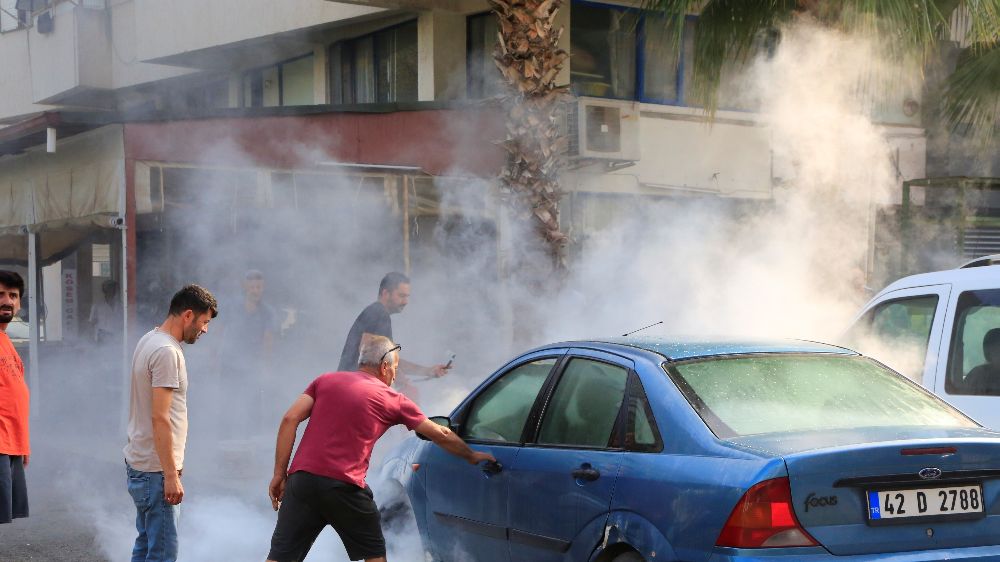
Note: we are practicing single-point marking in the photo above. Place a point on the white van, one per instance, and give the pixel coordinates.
(932, 326)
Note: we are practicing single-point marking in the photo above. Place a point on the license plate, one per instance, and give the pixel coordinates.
(925, 502)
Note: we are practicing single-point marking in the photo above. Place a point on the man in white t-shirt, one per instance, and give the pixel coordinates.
(106, 315)
(157, 423)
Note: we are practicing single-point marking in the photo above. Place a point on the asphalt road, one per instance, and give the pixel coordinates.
(80, 510)
(55, 530)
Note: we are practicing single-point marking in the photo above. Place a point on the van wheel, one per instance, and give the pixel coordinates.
(630, 556)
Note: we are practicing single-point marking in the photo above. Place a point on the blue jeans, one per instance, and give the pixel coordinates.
(155, 519)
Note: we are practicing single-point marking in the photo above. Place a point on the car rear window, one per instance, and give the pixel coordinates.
(755, 394)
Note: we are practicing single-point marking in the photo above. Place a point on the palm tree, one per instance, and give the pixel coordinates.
(529, 58)
(729, 29)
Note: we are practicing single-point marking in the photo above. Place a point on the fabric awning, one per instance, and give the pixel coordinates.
(65, 194)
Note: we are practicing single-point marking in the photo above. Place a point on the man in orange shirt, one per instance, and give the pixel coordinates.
(14, 448)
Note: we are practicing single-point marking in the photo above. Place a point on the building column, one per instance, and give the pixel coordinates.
(441, 51)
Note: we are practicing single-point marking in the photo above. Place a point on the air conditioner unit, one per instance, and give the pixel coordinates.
(604, 129)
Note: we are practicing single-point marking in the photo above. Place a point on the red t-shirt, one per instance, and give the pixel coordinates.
(351, 411)
(14, 401)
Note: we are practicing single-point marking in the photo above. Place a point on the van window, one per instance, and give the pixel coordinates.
(896, 333)
(974, 365)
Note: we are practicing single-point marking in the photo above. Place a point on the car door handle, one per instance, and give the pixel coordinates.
(586, 472)
(492, 468)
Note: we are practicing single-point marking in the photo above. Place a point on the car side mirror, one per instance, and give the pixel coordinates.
(443, 421)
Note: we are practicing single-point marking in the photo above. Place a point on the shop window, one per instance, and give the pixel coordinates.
(286, 83)
(213, 94)
(297, 81)
(379, 67)
(483, 77)
(101, 260)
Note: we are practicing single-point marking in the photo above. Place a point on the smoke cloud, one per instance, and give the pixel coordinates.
(791, 267)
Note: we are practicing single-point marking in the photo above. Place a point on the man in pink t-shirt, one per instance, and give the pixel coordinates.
(348, 412)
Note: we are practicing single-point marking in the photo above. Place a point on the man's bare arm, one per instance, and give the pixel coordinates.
(447, 440)
(299, 412)
(410, 368)
(163, 440)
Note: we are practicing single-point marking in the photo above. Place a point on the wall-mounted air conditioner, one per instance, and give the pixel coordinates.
(604, 129)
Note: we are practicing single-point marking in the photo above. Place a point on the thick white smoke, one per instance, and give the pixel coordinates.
(787, 268)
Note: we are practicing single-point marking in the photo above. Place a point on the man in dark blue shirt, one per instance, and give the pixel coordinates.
(393, 295)
(245, 355)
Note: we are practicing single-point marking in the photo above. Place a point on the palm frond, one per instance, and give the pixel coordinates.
(727, 32)
(904, 26)
(972, 94)
(671, 14)
(985, 19)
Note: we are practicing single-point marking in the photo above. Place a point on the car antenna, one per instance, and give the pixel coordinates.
(627, 334)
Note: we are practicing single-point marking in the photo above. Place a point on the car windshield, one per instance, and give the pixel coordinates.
(755, 394)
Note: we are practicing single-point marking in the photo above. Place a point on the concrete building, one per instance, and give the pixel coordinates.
(145, 104)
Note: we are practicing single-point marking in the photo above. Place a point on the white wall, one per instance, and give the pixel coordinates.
(730, 158)
(15, 80)
(681, 153)
(180, 26)
(52, 57)
(126, 66)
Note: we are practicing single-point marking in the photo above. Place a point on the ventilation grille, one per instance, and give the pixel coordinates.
(981, 241)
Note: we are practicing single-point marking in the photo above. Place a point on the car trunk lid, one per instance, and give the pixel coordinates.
(831, 485)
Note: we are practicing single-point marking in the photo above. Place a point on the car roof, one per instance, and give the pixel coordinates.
(680, 349)
(961, 275)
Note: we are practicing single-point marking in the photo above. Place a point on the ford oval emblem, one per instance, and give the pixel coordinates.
(929, 473)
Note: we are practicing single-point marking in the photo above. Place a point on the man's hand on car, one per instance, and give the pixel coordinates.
(478, 457)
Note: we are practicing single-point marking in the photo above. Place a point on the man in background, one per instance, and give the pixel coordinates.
(247, 335)
(106, 315)
(158, 423)
(14, 402)
(393, 296)
(347, 412)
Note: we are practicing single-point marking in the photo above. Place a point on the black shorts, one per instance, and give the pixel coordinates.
(13, 488)
(312, 502)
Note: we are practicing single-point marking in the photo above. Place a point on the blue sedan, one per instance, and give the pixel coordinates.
(653, 450)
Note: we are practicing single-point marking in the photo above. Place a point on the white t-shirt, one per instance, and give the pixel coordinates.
(106, 318)
(158, 362)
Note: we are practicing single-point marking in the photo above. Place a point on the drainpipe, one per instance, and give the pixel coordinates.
(34, 324)
(127, 210)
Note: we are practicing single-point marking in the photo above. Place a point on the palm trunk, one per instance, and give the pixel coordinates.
(529, 57)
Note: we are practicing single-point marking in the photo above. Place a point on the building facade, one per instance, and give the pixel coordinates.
(125, 121)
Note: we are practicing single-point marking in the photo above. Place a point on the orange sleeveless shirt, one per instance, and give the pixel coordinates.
(14, 401)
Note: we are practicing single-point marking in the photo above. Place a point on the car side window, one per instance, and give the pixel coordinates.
(896, 333)
(641, 433)
(585, 405)
(974, 365)
(500, 411)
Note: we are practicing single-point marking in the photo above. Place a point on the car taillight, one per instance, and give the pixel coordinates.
(763, 518)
